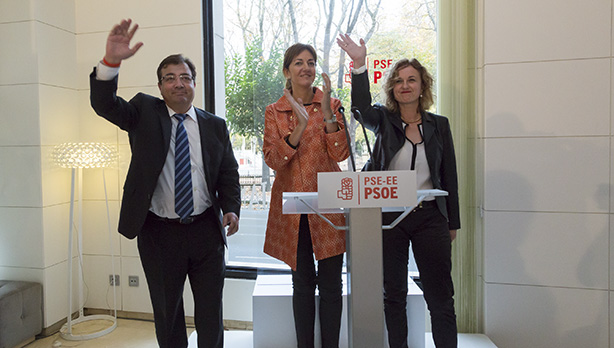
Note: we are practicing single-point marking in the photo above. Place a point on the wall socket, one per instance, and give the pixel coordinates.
(114, 280)
(133, 280)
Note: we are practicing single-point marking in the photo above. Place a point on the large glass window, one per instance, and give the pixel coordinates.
(256, 34)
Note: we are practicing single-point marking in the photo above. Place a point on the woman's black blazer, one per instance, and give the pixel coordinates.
(390, 137)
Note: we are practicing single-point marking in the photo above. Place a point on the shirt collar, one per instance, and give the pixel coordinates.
(191, 112)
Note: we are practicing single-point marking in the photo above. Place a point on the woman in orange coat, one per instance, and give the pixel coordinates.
(303, 136)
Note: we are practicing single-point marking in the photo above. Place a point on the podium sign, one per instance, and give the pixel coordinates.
(367, 189)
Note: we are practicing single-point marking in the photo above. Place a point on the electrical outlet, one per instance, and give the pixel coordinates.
(114, 281)
(133, 280)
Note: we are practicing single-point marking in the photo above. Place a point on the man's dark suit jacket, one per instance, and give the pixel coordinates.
(148, 124)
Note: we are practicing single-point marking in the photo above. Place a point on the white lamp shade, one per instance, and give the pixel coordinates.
(84, 155)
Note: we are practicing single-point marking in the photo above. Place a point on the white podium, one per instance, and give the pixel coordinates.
(363, 196)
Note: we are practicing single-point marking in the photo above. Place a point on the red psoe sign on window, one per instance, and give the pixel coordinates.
(377, 68)
(367, 189)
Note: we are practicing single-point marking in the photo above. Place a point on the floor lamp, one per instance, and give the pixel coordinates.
(77, 156)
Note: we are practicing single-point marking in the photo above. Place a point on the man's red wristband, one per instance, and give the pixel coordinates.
(104, 61)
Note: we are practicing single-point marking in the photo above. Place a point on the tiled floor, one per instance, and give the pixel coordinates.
(128, 334)
(137, 334)
(243, 339)
(140, 334)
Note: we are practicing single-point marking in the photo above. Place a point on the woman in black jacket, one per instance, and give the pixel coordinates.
(409, 137)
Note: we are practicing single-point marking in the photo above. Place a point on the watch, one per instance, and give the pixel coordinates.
(332, 120)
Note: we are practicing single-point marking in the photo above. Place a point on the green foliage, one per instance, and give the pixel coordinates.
(252, 83)
(394, 46)
(398, 44)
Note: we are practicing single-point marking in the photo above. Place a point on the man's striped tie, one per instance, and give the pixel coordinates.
(184, 205)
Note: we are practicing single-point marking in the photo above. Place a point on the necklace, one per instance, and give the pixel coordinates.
(406, 116)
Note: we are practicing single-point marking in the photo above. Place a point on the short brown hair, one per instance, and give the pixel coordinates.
(176, 59)
(426, 95)
(292, 52)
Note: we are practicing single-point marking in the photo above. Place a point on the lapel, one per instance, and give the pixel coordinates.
(203, 129)
(166, 124)
(428, 126)
(430, 147)
(395, 119)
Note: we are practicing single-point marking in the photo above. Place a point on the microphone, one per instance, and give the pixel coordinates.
(357, 114)
(358, 117)
(347, 137)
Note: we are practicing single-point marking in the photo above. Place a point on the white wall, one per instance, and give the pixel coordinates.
(38, 93)
(545, 81)
(47, 50)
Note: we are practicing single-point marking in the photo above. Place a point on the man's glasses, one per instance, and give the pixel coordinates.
(171, 78)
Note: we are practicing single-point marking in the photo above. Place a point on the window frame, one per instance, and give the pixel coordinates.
(208, 56)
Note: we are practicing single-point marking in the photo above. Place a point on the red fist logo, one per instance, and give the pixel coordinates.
(347, 189)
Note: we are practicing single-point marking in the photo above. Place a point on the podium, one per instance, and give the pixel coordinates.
(362, 196)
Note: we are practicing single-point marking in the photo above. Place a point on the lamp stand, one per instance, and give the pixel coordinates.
(66, 332)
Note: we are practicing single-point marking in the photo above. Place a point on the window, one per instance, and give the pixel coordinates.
(256, 34)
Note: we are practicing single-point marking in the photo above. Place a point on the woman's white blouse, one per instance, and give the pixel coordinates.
(403, 159)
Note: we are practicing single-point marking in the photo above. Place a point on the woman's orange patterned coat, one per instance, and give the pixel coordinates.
(296, 171)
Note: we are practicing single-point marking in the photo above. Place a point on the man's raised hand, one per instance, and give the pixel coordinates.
(118, 43)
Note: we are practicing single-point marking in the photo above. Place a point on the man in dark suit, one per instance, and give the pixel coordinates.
(182, 176)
